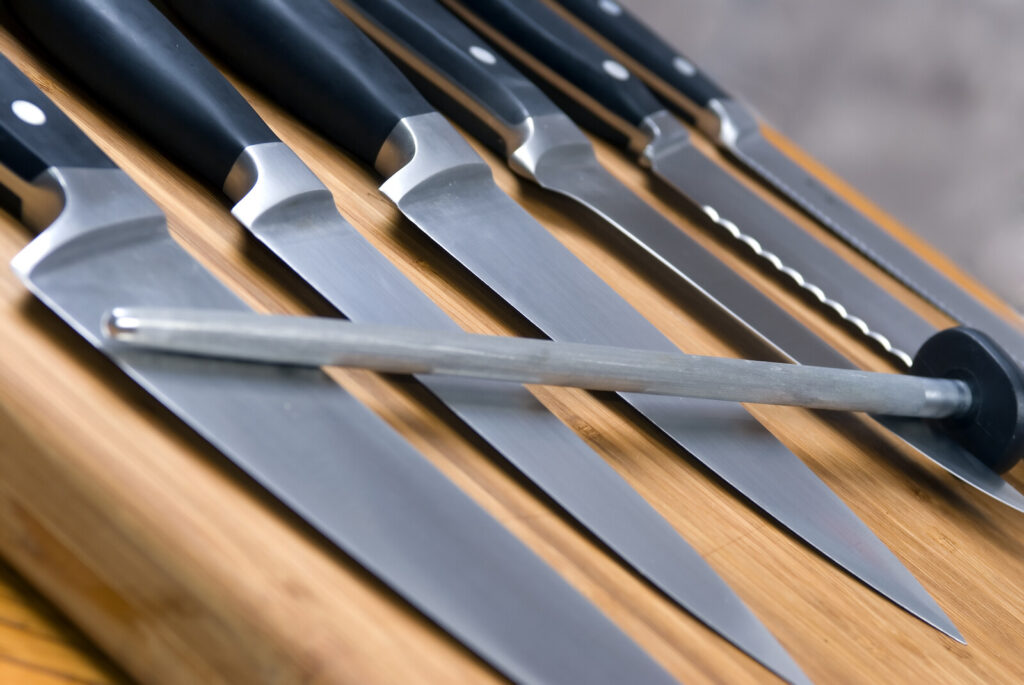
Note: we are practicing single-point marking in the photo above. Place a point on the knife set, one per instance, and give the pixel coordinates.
(382, 80)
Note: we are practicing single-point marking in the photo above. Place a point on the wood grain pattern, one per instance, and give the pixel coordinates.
(183, 571)
(39, 647)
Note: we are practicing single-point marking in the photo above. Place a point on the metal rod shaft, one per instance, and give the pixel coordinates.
(310, 341)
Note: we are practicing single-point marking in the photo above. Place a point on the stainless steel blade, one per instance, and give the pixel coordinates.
(873, 242)
(313, 239)
(448, 192)
(788, 248)
(573, 171)
(321, 452)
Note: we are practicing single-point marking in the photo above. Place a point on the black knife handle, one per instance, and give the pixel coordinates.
(312, 60)
(621, 28)
(431, 40)
(131, 56)
(538, 31)
(35, 136)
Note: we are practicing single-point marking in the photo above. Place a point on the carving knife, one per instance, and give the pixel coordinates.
(735, 128)
(611, 100)
(448, 192)
(288, 209)
(531, 23)
(297, 433)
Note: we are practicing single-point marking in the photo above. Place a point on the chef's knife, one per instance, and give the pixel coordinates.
(569, 51)
(444, 188)
(297, 433)
(601, 87)
(735, 128)
(290, 211)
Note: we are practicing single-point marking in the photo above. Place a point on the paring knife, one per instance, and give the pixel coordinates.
(527, 22)
(446, 190)
(600, 88)
(735, 128)
(297, 433)
(290, 211)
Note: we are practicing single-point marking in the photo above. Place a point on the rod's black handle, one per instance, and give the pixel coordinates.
(131, 56)
(435, 44)
(621, 28)
(34, 136)
(993, 429)
(312, 60)
(538, 31)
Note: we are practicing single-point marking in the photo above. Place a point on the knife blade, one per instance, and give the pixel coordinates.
(633, 118)
(313, 239)
(734, 127)
(569, 52)
(302, 437)
(447, 191)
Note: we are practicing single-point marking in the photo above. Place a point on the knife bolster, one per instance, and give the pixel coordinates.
(726, 121)
(542, 137)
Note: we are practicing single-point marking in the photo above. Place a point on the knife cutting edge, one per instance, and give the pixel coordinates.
(447, 190)
(328, 457)
(734, 127)
(288, 209)
(534, 24)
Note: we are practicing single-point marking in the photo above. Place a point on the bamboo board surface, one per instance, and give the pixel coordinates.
(182, 571)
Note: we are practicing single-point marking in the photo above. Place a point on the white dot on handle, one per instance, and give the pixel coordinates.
(615, 70)
(483, 54)
(29, 113)
(684, 66)
(609, 7)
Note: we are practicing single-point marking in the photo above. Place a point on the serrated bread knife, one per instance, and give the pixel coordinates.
(447, 190)
(291, 212)
(735, 128)
(301, 436)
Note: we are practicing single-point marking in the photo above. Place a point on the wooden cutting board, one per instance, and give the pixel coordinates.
(182, 571)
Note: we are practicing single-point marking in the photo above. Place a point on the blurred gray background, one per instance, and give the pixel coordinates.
(917, 103)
